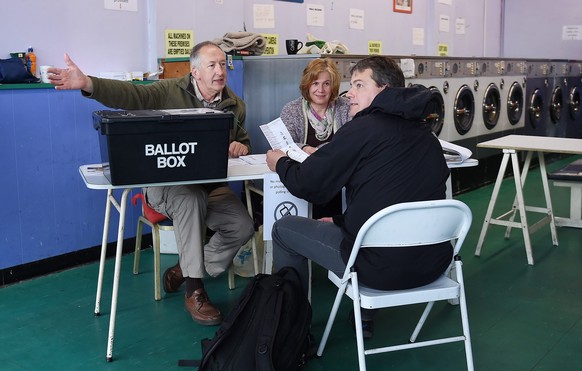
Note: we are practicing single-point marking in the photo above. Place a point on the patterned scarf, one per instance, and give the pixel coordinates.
(324, 127)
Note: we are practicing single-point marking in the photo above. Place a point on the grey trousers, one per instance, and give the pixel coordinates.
(297, 239)
(191, 209)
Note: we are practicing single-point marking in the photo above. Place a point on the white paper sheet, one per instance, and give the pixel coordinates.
(279, 138)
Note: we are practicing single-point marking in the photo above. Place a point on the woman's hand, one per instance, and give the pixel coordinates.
(309, 149)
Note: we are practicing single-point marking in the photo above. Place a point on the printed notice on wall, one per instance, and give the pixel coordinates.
(315, 15)
(179, 43)
(375, 47)
(127, 5)
(417, 36)
(572, 33)
(460, 26)
(263, 16)
(444, 23)
(356, 19)
(272, 46)
(443, 50)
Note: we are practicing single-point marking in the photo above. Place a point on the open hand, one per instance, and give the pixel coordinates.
(70, 78)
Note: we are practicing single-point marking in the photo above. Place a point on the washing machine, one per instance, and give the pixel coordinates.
(460, 84)
(488, 100)
(557, 80)
(572, 93)
(429, 73)
(536, 97)
(513, 86)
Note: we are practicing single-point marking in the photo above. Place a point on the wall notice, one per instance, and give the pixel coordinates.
(374, 47)
(572, 33)
(127, 5)
(443, 50)
(264, 16)
(272, 47)
(179, 43)
(315, 15)
(356, 19)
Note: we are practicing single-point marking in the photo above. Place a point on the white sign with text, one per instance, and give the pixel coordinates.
(279, 202)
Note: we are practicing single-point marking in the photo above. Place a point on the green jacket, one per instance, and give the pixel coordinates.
(167, 94)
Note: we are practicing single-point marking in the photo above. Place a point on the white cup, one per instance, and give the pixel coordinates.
(44, 74)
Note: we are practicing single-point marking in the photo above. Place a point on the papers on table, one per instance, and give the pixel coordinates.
(279, 138)
(453, 153)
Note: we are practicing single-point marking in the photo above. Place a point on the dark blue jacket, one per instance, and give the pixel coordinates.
(385, 155)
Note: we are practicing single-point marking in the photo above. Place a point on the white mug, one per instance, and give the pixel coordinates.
(44, 74)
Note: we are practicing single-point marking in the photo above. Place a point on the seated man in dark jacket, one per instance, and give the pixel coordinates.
(385, 155)
(191, 207)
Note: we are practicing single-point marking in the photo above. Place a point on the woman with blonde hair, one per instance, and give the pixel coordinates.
(313, 119)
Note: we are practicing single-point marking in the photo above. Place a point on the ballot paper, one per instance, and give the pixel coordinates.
(279, 138)
(455, 154)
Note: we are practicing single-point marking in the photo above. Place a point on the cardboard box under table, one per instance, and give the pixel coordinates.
(156, 146)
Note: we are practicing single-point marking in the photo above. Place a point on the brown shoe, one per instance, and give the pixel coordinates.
(173, 278)
(201, 309)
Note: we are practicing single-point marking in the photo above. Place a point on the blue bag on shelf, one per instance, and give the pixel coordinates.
(13, 71)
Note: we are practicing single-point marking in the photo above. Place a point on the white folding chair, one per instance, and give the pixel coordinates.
(407, 224)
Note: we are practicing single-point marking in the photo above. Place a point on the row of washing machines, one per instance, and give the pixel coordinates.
(482, 99)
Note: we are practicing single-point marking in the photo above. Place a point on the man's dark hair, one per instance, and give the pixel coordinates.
(385, 71)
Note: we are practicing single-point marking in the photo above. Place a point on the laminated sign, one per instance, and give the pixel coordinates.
(278, 203)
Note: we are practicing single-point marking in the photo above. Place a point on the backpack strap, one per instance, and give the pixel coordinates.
(189, 363)
(266, 338)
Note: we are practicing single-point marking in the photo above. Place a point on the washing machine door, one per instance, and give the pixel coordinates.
(574, 102)
(556, 105)
(491, 106)
(536, 106)
(514, 103)
(464, 110)
(436, 118)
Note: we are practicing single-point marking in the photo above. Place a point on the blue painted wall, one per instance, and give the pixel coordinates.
(45, 135)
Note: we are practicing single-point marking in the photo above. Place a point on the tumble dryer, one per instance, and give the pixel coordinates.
(513, 85)
(536, 97)
(489, 107)
(556, 108)
(573, 115)
(459, 87)
(429, 73)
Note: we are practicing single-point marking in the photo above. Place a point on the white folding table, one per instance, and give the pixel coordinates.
(510, 145)
(94, 179)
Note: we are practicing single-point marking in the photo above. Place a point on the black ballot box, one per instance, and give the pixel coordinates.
(156, 146)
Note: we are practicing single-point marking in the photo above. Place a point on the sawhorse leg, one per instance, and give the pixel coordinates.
(492, 202)
(519, 204)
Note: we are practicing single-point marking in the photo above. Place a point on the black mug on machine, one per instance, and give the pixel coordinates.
(293, 46)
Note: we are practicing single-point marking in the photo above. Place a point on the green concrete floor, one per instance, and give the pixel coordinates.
(522, 317)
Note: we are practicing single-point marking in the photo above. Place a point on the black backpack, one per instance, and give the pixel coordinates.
(268, 329)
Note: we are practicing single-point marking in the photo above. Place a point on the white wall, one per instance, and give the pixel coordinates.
(533, 29)
(105, 40)
(96, 38)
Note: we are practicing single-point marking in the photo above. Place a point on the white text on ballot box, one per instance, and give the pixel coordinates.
(279, 202)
